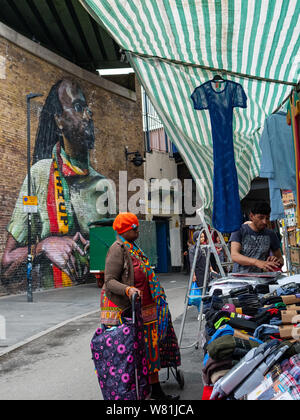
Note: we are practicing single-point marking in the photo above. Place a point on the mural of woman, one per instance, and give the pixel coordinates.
(65, 184)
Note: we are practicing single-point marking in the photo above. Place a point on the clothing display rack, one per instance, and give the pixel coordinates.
(211, 249)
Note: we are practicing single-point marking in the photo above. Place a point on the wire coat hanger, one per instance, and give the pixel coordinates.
(218, 78)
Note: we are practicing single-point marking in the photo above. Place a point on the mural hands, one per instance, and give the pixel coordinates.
(81, 260)
(86, 244)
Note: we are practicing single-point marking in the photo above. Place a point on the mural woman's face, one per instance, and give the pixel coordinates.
(76, 120)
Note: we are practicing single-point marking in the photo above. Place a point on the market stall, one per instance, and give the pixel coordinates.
(252, 328)
(215, 71)
(252, 338)
(177, 47)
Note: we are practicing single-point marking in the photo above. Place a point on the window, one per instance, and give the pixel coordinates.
(155, 135)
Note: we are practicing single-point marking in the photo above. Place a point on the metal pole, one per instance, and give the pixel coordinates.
(287, 248)
(29, 256)
(204, 290)
(147, 122)
(211, 249)
(186, 300)
(211, 243)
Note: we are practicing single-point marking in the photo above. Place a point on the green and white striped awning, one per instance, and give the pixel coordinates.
(176, 45)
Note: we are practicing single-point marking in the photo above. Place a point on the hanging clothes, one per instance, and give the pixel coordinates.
(293, 119)
(277, 148)
(220, 97)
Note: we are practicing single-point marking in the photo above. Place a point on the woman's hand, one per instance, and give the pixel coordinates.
(130, 291)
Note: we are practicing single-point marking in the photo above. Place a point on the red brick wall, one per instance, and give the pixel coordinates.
(117, 120)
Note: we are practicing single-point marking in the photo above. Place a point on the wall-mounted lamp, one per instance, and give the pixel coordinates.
(137, 160)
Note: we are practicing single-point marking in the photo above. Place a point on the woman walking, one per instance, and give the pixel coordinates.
(127, 272)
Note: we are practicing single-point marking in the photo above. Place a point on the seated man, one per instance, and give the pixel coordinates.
(254, 248)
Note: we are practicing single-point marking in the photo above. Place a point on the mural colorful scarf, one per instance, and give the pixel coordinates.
(58, 201)
(157, 292)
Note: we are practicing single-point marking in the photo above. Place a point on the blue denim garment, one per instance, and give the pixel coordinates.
(277, 147)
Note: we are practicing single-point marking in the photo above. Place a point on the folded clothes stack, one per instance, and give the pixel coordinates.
(252, 341)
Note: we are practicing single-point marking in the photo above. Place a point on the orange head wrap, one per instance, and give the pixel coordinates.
(124, 222)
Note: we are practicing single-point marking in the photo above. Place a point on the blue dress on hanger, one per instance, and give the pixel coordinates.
(220, 98)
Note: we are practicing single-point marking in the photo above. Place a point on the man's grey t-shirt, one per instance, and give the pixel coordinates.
(256, 245)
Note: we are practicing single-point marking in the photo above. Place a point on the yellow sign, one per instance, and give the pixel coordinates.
(30, 200)
(30, 204)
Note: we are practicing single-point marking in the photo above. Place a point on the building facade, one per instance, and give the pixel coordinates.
(66, 205)
(161, 176)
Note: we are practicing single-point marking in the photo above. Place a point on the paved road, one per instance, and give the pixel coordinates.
(53, 367)
(58, 365)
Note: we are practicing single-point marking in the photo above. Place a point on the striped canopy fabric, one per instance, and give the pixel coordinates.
(177, 45)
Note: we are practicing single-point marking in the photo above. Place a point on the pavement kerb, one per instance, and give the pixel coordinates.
(42, 333)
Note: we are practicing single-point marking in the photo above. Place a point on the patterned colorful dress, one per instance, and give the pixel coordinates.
(161, 342)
